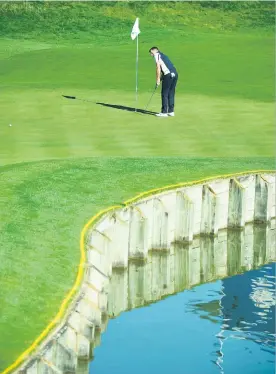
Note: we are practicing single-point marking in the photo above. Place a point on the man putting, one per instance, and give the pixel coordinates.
(169, 79)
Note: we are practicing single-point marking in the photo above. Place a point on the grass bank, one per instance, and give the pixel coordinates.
(44, 206)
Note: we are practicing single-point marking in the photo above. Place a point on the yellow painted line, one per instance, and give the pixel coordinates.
(187, 184)
(79, 278)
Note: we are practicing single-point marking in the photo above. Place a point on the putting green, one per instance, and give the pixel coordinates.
(224, 96)
(223, 124)
(45, 125)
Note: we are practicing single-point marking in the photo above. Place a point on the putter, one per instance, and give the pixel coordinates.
(151, 97)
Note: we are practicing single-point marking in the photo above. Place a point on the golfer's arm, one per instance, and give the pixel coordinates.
(158, 72)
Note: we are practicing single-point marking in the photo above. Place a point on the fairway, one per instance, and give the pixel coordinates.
(63, 160)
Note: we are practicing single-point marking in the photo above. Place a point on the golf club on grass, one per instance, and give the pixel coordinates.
(151, 97)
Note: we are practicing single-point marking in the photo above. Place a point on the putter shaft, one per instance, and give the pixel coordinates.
(151, 97)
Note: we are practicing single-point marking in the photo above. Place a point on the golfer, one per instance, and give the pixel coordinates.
(166, 72)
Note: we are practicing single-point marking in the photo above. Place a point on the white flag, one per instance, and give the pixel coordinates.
(135, 30)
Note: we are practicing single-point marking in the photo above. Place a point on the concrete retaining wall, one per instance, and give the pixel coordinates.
(188, 264)
(176, 230)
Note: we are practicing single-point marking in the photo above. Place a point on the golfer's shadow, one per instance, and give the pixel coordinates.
(129, 109)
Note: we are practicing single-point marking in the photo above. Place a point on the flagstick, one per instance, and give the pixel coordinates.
(136, 75)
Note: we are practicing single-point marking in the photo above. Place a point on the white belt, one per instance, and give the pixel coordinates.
(172, 74)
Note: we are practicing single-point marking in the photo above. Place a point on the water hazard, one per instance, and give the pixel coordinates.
(220, 319)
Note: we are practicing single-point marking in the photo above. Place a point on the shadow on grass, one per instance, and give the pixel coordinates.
(129, 109)
(76, 98)
(121, 107)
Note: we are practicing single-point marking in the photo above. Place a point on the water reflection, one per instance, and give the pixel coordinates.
(240, 307)
(245, 310)
(184, 266)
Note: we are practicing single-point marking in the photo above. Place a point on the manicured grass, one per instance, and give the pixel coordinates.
(44, 207)
(231, 65)
(224, 102)
(55, 127)
(224, 124)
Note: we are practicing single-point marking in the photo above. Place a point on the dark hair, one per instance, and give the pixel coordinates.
(153, 48)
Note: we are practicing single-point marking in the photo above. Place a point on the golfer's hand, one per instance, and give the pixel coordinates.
(157, 84)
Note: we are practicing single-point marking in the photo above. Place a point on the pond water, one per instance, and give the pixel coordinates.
(221, 326)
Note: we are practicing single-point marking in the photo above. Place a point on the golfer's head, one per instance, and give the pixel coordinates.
(153, 51)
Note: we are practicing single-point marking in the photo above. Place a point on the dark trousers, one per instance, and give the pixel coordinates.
(168, 93)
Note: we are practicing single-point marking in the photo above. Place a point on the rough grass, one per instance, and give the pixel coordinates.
(83, 20)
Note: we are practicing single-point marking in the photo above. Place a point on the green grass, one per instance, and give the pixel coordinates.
(224, 101)
(96, 20)
(224, 124)
(44, 207)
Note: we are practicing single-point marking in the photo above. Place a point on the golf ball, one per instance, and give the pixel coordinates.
(10, 124)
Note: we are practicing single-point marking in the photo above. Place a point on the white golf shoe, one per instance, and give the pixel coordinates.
(162, 115)
(171, 114)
